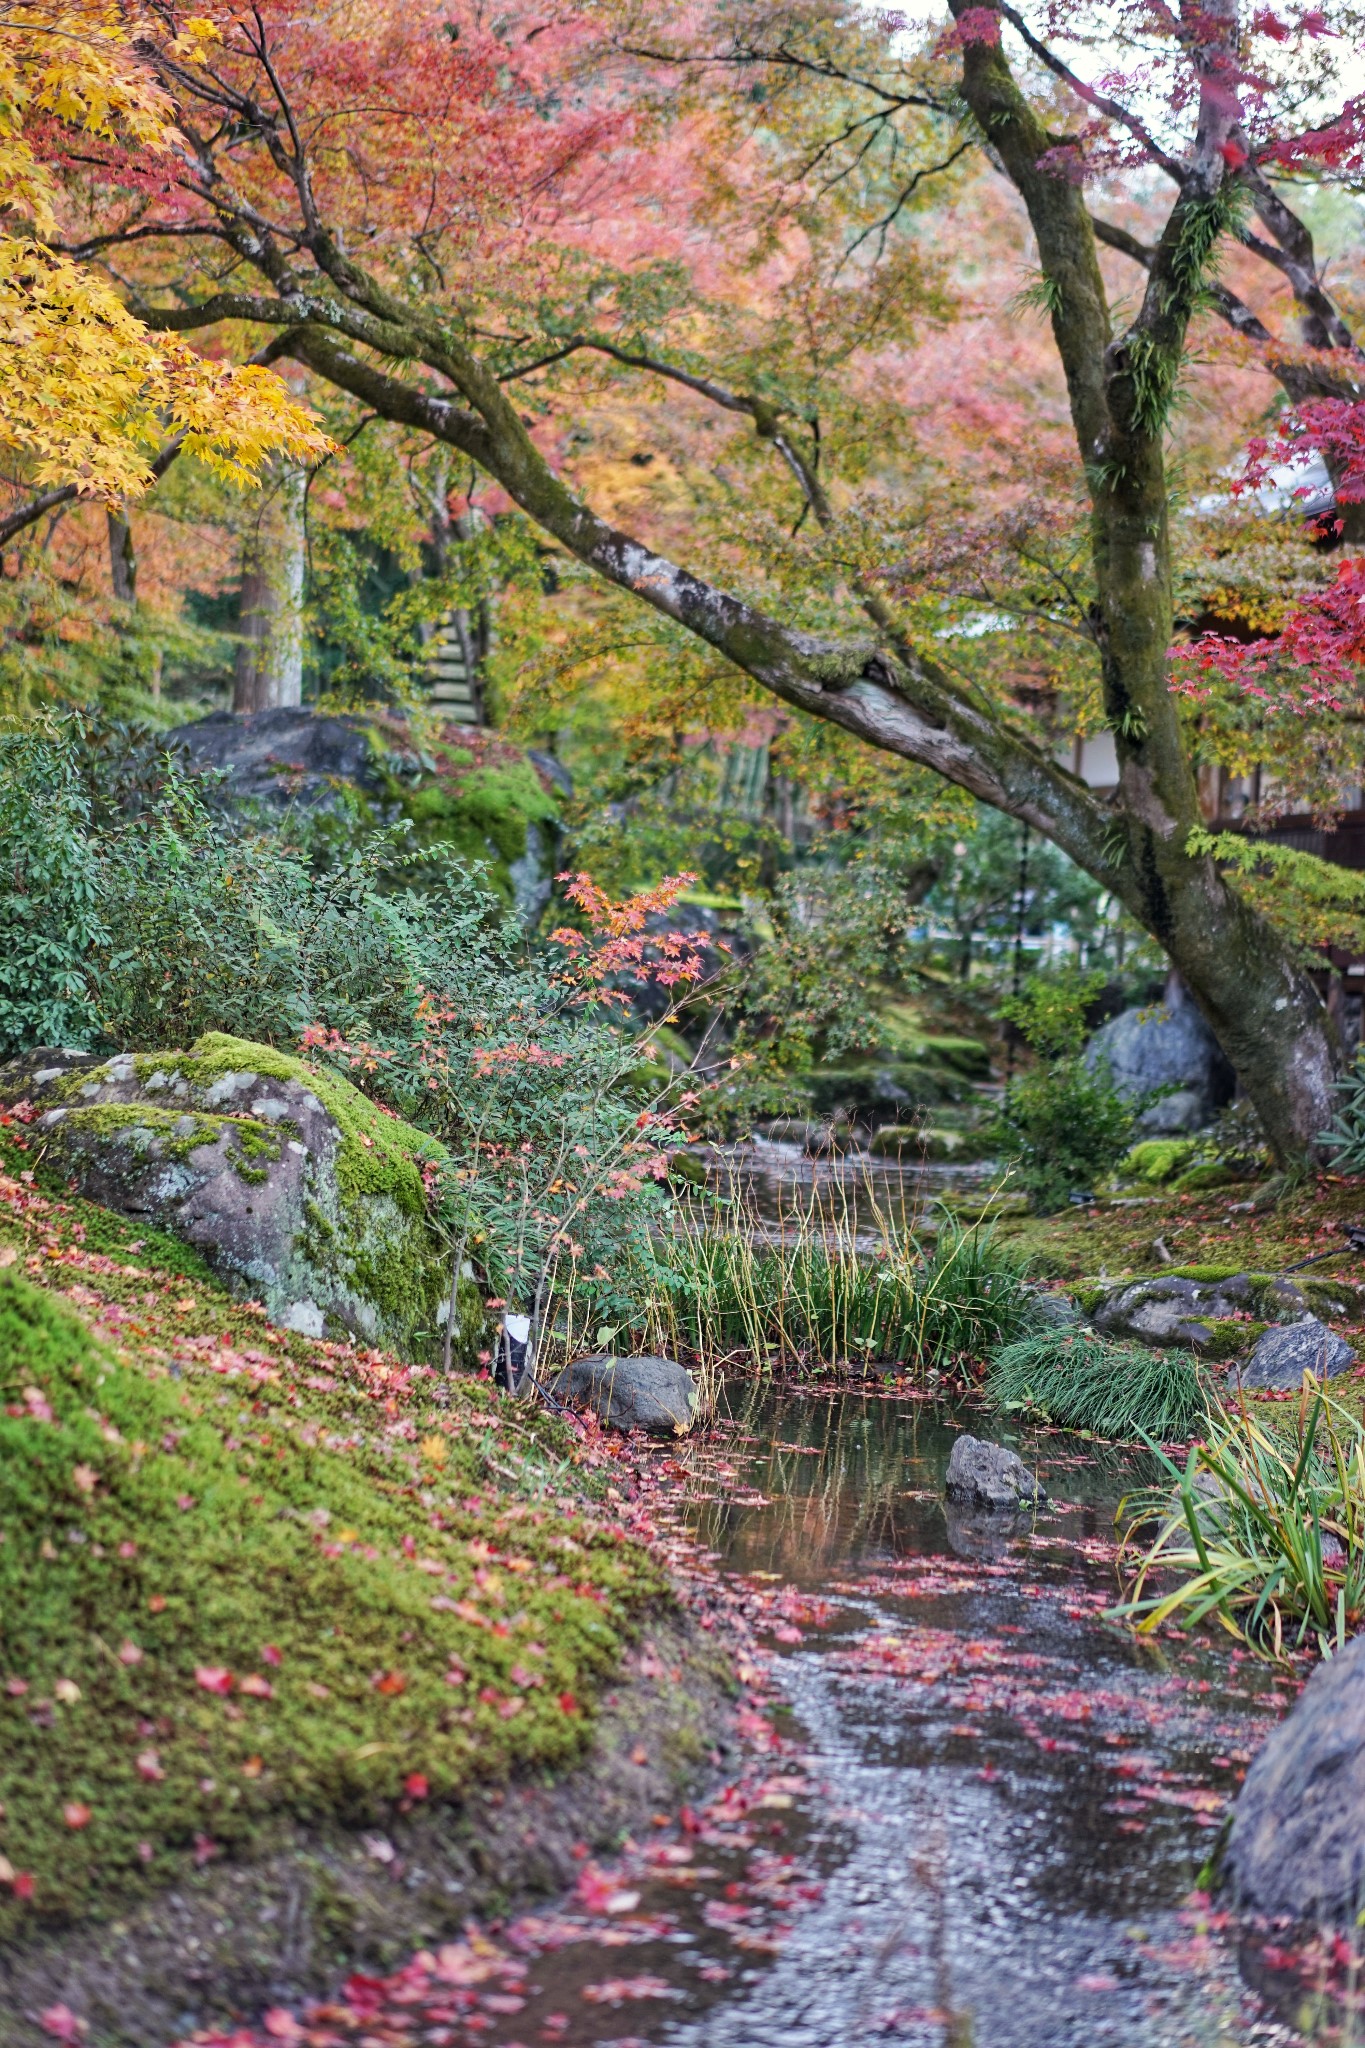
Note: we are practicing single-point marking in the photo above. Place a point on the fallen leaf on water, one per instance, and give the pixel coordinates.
(281, 2025)
(61, 2023)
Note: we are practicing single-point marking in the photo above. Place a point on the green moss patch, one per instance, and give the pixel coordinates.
(480, 798)
(177, 1134)
(1158, 1159)
(246, 1577)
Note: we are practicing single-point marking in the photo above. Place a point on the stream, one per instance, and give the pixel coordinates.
(977, 1811)
(774, 1190)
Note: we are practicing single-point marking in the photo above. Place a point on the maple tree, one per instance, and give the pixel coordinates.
(512, 219)
(88, 395)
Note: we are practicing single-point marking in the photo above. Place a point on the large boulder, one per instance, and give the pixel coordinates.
(1297, 1845)
(470, 790)
(296, 1188)
(653, 1394)
(1208, 1312)
(986, 1475)
(1288, 1350)
(1168, 1047)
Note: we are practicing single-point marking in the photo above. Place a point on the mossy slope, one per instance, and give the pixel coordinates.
(245, 1576)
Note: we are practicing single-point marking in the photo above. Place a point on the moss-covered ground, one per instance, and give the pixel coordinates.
(247, 1576)
(1238, 1229)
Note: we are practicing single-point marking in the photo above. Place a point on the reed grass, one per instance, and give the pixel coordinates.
(1082, 1381)
(822, 1299)
(1264, 1528)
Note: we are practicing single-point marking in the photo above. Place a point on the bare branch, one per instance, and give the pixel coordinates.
(1113, 109)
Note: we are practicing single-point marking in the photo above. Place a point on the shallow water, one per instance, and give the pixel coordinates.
(775, 1190)
(1015, 1798)
(976, 1810)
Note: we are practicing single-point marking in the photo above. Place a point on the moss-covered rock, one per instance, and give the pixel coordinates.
(470, 791)
(297, 1189)
(927, 1141)
(1202, 1309)
(1200, 1179)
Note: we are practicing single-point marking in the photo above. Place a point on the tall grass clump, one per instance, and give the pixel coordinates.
(1263, 1526)
(820, 1299)
(1082, 1381)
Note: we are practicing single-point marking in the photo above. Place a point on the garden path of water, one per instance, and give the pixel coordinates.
(976, 1810)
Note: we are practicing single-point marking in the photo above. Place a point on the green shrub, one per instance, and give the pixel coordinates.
(1083, 1381)
(1346, 1134)
(1063, 1125)
(50, 913)
(1264, 1527)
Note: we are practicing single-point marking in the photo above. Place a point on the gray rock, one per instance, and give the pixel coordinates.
(1289, 1350)
(1168, 1309)
(1168, 1046)
(284, 758)
(315, 1210)
(293, 759)
(653, 1394)
(1297, 1844)
(1050, 1311)
(987, 1475)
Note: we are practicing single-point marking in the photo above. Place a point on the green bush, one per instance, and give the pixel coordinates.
(50, 913)
(1264, 1527)
(1346, 1134)
(1086, 1382)
(1064, 1127)
(1064, 1124)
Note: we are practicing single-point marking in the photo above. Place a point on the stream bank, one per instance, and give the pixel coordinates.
(976, 1811)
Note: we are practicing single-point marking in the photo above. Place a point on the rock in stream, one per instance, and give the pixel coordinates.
(986, 1475)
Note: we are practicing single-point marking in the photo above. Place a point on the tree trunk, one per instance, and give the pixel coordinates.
(122, 559)
(269, 665)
